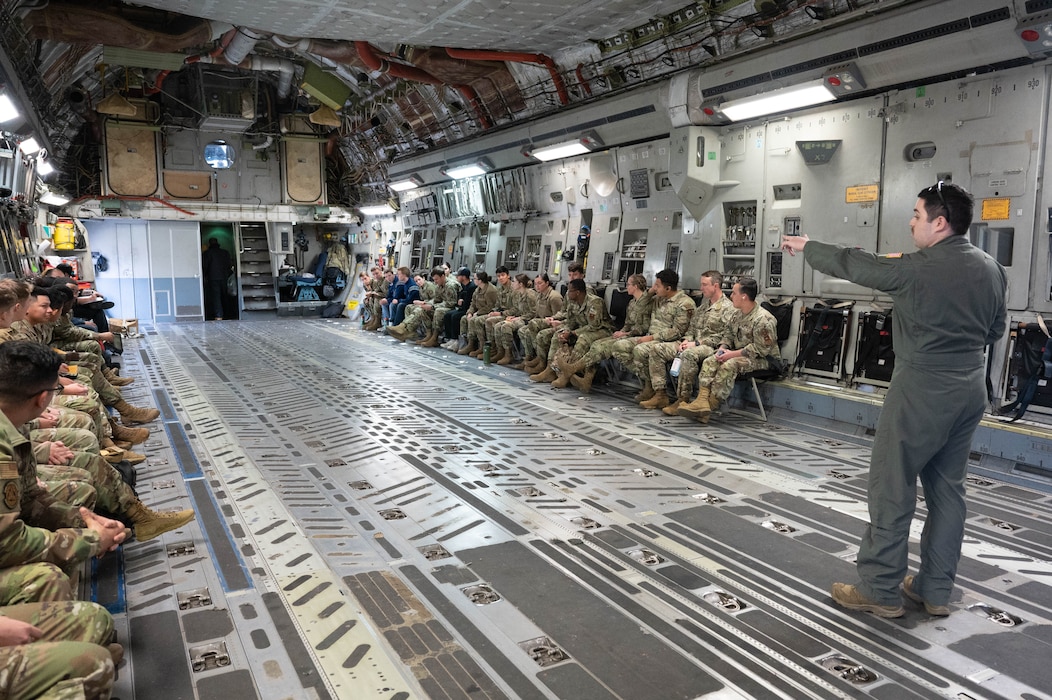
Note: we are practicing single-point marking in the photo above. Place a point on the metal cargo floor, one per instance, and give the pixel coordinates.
(378, 520)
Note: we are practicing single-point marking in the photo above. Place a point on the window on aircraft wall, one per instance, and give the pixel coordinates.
(219, 155)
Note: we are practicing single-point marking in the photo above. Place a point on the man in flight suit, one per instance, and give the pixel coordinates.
(949, 305)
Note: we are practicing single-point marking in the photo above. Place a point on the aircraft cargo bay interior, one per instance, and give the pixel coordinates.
(482, 349)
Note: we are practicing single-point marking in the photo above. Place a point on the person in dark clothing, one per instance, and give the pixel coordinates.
(467, 290)
(217, 267)
(407, 291)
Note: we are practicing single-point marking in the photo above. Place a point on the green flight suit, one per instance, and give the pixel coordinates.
(949, 305)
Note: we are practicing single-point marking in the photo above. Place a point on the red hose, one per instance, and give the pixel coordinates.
(516, 57)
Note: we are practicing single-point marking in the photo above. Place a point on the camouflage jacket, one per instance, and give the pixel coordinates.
(34, 527)
(24, 330)
(548, 304)
(505, 297)
(65, 331)
(710, 320)
(638, 315)
(672, 317)
(427, 291)
(483, 300)
(754, 333)
(524, 304)
(446, 295)
(589, 316)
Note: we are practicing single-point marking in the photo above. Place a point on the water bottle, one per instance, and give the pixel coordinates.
(485, 354)
(674, 370)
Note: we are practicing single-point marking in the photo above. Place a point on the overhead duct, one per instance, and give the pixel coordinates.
(285, 68)
(241, 45)
(368, 53)
(694, 168)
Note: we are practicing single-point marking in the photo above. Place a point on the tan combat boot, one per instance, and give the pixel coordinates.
(573, 368)
(134, 458)
(422, 342)
(507, 357)
(547, 375)
(133, 414)
(647, 393)
(471, 347)
(497, 355)
(150, 524)
(399, 332)
(113, 455)
(658, 400)
(431, 341)
(115, 379)
(531, 365)
(672, 408)
(699, 407)
(584, 383)
(135, 436)
(563, 381)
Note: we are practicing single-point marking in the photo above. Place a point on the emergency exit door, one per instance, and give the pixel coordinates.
(175, 271)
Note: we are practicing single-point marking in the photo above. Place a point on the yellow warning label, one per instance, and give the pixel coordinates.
(862, 193)
(999, 209)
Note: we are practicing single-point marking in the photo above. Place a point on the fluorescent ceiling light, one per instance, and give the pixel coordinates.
(459, 172)
(409, 183)
(29, 146)
(377, 210)
(8, 111)
(44, 167)
(462, 171)
(53, 198)
(585, 143)
(796, 97)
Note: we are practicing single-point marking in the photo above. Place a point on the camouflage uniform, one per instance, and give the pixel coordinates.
(443, 299)
(427, 293)
(637, 321)
(34, 526)
(372, 303)
(483, 301)
(756, 335)
(548, 304)
(43, 333)
(670, 322)
(34, 583)
(69, 485)
(505, 305)
(542, 341)
(523, 310)
(587, 322)
(706, 328)
(73, 438)
(65, 335)
(67, 662)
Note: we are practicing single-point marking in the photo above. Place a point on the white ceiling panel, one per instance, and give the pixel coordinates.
(538, 26)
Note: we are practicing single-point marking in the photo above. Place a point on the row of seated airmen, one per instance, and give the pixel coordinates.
(563, 341)
(66, 493)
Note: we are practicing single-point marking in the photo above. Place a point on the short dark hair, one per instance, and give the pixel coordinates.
(715, 276)
(748, 287)
(483, 276)
(949, 200)
(60, 296)
(65, 268)
(669, 278)
(575, 267)
(577, 285)
(502, 269)
(26, 369)
(438, 271)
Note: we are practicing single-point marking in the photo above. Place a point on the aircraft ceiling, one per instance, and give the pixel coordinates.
(393, 71)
